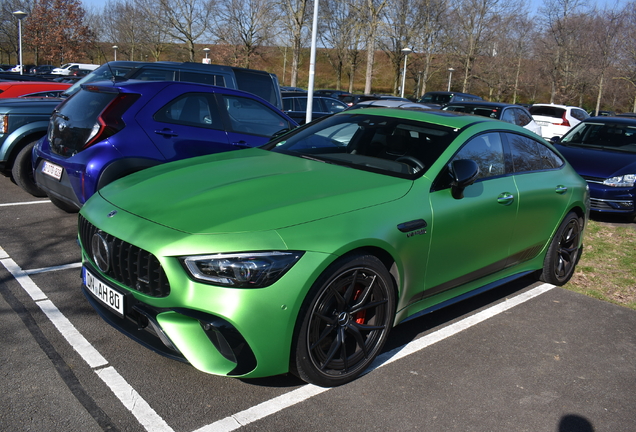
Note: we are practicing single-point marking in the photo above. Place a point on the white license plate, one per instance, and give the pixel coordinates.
(52, 170)
(109, 297)
(543, 123)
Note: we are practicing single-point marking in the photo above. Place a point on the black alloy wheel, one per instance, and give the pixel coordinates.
(564, 252)
(347, 321)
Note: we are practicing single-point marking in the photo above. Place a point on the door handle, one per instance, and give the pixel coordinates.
(560, 189)
(505, 198)
(166, 132)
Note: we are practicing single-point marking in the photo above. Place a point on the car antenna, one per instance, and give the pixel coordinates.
(112, 74)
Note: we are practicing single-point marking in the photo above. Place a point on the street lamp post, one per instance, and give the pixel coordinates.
(20, 15)
(406, 52)
(115, 52)
(206, 51)
(450, 77)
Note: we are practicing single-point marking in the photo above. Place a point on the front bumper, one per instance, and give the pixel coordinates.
(610, 199)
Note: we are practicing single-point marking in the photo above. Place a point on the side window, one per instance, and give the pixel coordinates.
(191, 109)
(579, 114)
(252, 117)
(487, 151)
(523, 117)
(508, 115)
(530, 155)
(202, 78)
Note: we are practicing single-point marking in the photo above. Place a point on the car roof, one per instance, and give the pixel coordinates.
(630, 121)
(450, 119)
(390, 103)
(484, 103)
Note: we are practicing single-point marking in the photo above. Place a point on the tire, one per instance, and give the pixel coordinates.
(564, 252)
(22, 171)
(344, 322)
(62, 205)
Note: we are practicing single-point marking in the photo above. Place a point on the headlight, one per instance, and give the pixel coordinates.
(4, 123)
(626, 180)
(241, 270)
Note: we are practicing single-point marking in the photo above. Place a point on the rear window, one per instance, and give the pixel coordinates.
(72, 122)
(258, 83)
(547, 111)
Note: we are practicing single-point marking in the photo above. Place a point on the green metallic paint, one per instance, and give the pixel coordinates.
(253, 200)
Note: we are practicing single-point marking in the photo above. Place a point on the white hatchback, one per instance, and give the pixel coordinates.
(556, 120)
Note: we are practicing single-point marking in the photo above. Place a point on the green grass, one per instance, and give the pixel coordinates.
(607, 269)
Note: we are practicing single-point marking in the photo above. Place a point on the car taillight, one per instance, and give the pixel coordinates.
(4, 123)
(109, 121)
(564, 122)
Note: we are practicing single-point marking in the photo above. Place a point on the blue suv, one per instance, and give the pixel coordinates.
(108, 130)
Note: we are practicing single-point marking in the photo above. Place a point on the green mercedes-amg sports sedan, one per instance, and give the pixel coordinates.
(302, 255)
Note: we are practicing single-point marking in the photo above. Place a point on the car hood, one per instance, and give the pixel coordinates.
(248, 190)
(598, 162)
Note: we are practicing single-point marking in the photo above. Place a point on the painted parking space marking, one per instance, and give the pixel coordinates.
(142, 411)
(264, 409)
(24, 203)
(151, 421)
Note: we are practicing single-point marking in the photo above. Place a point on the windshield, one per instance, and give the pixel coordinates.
(386, 145)
(615, 136)
(102, 73)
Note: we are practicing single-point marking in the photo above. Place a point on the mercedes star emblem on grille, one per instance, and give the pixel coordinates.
(101, 254)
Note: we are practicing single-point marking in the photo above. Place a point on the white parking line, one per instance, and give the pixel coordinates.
(146, 416)
(151, 421)
(24, 203)
(267, 408)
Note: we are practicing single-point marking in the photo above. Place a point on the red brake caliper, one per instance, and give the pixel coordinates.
(359, 316)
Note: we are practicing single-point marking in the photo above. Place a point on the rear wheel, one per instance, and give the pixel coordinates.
(564, 252)
(22, 171)
(345, 321)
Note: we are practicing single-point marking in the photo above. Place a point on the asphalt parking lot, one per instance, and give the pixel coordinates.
(524, 357)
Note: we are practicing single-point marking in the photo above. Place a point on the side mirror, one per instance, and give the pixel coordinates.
(464, 173)
(555, 140)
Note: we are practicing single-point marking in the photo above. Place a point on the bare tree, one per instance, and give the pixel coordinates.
(371, 15)
(294, 16)
(183, 20)
(604, 40)
(123, 25)
(396, 30)
(9, 26)
(473, 22)
(340, 31)
(431, 20)
(245, 25)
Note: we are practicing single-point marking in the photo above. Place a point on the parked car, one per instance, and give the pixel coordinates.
(26, 120)
(296, 107)
(106, 131)
(23, 67)
(42, 70)
(437, 99)
(292, 89)
(556, 120)
(352, 99)
(11, 89)
(69, 68)
(510, 113)
(331, 93)
(389, 103)
(302, 255)
(603, 151)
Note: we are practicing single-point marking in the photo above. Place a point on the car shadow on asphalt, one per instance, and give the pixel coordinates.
(411, 330)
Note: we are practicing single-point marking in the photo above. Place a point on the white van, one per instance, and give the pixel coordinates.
(69, 68)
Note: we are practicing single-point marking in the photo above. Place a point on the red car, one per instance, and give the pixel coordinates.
(12, 89)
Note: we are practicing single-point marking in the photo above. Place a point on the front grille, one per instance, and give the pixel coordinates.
(130, 265)
(591, 179)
